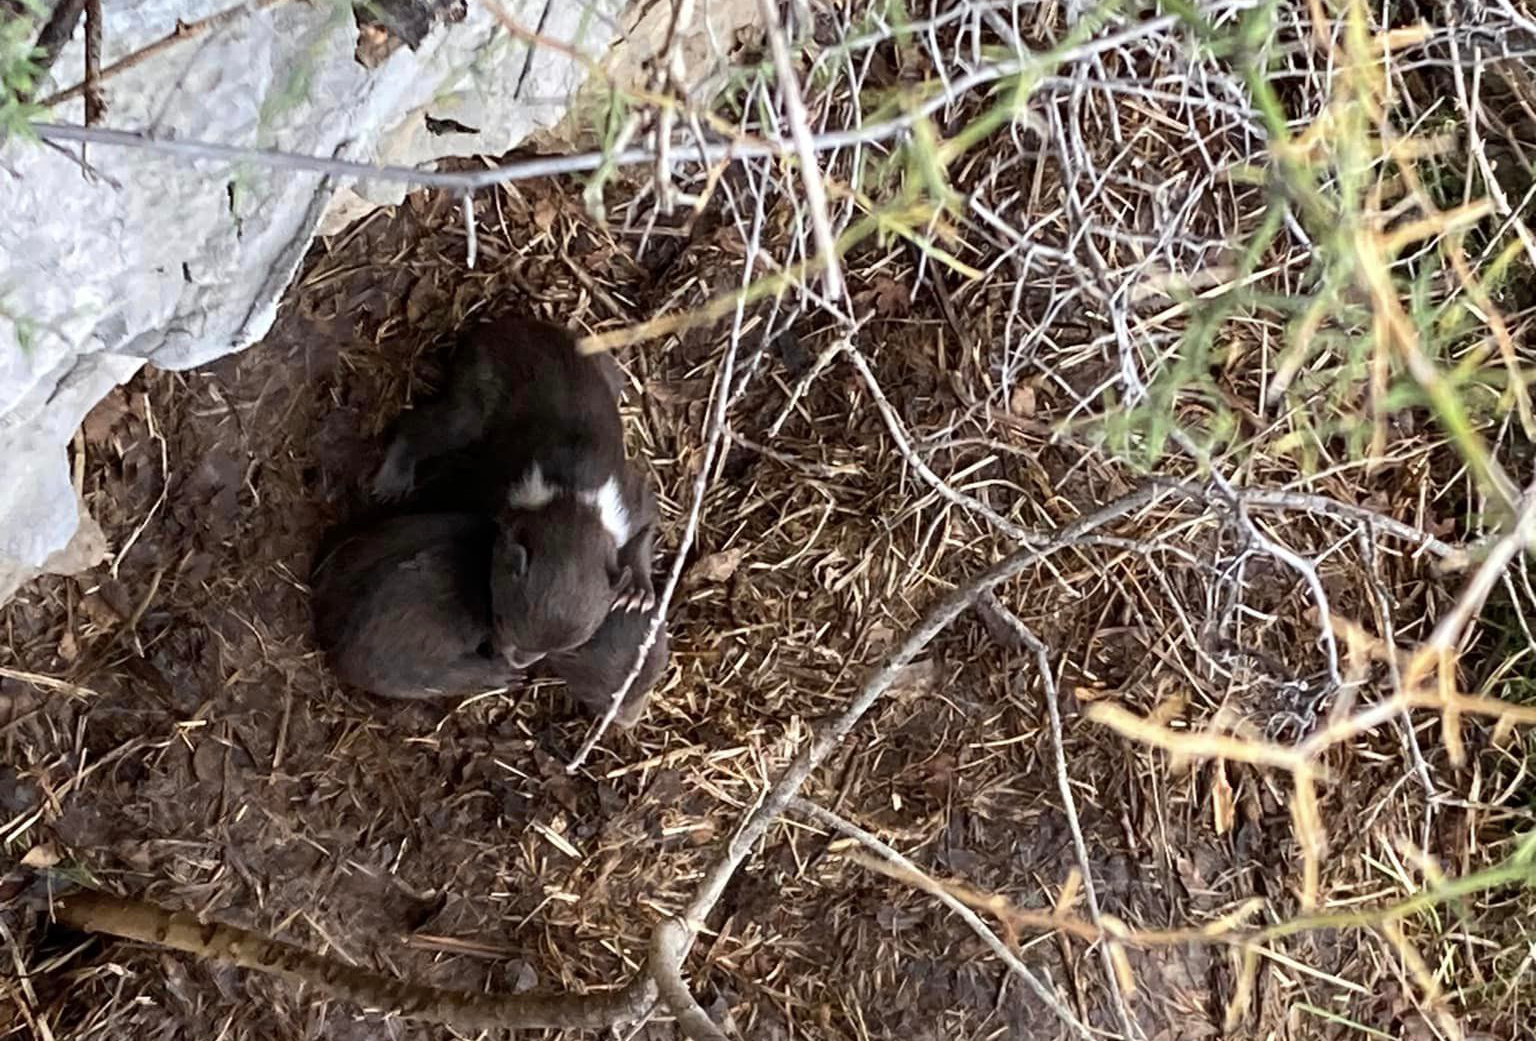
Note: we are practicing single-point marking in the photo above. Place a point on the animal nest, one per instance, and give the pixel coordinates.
(1201, 315)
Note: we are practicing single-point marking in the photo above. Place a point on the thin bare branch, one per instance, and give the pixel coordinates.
(1042, 657)
(669, 944)
(464, 1010)
(805, 147)
(917, 877)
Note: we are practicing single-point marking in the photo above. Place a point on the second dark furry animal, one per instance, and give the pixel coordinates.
(403, 609)
(594, 671)
(527, 432)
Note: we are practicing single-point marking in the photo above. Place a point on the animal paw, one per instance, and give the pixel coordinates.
(636, 594)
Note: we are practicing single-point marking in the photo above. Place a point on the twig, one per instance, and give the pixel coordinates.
(95, 107)
(917, 877)
(552, 166)
(938, 617)
(1109, 950)
(1268, 498)
(670, 72)
(183, 31)
(723, 397)
(165, 487)
(1521, 534)
(1197, 744)
(904, 446)
(1287, 556)
(805, 146)
(56, 33)
(471, 237)
(463, 1010)
(669, 944)
(27, 1001)
(1227, 930)
(467, 180)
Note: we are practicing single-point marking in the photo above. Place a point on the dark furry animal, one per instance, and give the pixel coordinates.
(403, 609)
(527, 432)
(594, 671)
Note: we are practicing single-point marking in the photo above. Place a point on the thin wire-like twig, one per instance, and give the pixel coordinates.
(920, 878)
(584, 162)
(805, 147)
(1041, 653)
(724, 392)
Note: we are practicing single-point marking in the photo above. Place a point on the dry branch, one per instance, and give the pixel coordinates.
(938, 618)
(183, 31)
(1109, 952)
(805, 147)
(903, 869)
(95, 107)
(464, 1010)
(57, 32)
(669, 944)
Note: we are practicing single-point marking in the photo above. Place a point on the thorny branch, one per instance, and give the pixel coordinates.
(1232, 929)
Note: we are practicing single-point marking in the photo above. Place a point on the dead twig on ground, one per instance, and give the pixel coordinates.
(938, 618)
(669, 944)
(1113, 960)
(910, 873)
(464, 1010)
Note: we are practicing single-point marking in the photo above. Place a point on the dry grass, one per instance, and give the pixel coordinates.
(1277, 799)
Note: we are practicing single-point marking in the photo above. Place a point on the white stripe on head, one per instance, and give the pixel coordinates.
(532, 492)
(609, 504)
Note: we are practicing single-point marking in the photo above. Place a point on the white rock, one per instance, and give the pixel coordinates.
(178, 263)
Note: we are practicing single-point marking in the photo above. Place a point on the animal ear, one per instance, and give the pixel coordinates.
(514, 559)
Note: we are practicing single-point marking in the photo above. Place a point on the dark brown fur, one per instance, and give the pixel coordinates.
(402, 609)
(520, 396)
(594, 671)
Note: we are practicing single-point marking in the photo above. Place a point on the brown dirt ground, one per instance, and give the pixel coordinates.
(197, 753)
